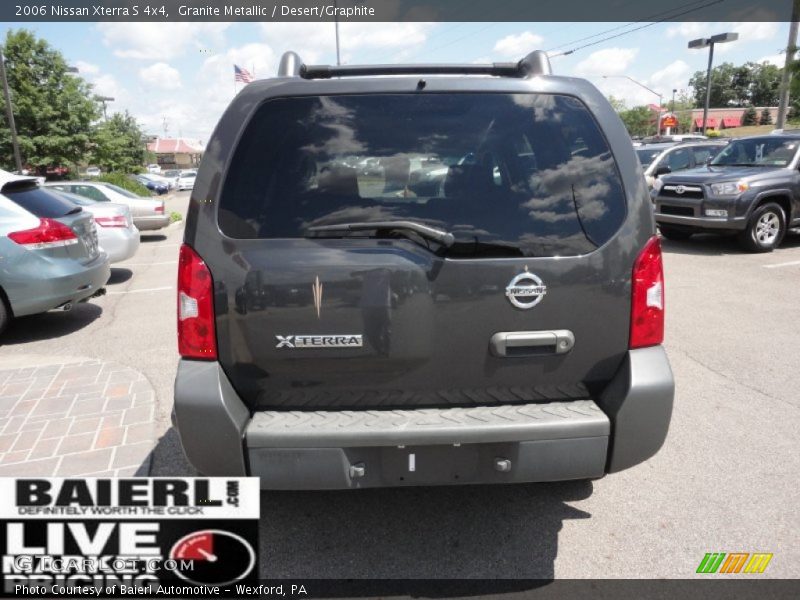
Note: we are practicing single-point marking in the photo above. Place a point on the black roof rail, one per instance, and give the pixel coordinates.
(535, 63)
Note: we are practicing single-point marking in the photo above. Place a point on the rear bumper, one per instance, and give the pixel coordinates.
(151, 223)
(119, 243)
(45, 286)
(350, 449)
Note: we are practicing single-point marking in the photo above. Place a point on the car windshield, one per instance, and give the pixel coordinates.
(772, 151)
(531, 173)
(648, 155)
(172, 173)
(121, 191)
(189, 175)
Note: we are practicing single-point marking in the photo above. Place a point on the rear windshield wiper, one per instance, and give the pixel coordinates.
(437, 235)
(475, 248)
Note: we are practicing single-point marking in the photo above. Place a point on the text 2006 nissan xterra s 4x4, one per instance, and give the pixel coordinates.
(446, 276)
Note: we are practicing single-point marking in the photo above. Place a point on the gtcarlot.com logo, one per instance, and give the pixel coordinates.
(734, 562)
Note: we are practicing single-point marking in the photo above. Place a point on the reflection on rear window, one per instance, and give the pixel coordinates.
(532, 171)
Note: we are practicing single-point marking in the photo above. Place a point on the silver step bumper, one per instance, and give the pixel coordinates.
(495, 444)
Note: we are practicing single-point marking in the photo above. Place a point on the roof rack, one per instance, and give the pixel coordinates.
(535, 63)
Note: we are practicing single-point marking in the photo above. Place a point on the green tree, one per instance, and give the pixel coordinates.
(54, 111)
(749, 117)
(723, 92)
(119, 145)
(617, 104)
(638, 120)
(766, 117)
(765, 85)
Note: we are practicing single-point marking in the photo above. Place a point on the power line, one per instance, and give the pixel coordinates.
(646, 25)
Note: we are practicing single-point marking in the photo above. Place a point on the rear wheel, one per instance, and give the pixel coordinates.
(5, 314)
(674, 233)
(765, 230)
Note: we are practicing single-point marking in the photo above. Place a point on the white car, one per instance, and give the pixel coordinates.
(116, 233)
(93, 172)
(154, 168)
(186, 180)
(148, 214)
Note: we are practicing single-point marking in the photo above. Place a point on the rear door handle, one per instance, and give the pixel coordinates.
(530, 343)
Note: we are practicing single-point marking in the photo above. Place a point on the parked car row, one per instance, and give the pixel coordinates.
(58, 239)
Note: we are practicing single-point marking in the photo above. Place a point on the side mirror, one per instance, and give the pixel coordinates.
(662, 170)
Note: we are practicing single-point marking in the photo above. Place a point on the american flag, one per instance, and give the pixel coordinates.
(241, 74)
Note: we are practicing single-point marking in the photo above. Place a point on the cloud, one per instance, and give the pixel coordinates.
(774, 59)
(150, 41)
(673, 76)
(161, 75)
(690, 29)
(753, 32)
(518, 45)
(85, 68)
(609, 61)
(315, 40)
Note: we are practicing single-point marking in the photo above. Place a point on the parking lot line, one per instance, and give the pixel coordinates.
(165, 262)
(145, 290)
(784, 264)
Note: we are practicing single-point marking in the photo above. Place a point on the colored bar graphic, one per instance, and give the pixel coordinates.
(758, 563)
(710, 562)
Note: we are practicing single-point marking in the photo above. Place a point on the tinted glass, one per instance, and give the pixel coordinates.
(89, 191)
(648, 155)
(680, 159)
(703, 153)
(42, 202)
(529, 171)
(773, 151)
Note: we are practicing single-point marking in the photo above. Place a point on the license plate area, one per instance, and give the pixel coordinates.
(429, 464)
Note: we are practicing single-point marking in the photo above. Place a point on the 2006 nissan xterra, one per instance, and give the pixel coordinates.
(446, 276)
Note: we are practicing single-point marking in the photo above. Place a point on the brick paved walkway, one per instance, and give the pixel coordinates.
(89, 418)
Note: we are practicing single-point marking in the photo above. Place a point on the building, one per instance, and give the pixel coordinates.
(176, 153)
(726, 118)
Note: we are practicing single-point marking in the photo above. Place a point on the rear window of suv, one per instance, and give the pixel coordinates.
(532, 172)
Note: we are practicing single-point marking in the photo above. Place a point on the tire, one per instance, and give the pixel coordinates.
(674, 233)
(5, 314)
(765, 229)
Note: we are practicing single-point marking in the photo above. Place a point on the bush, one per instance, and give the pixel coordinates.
(766, 117)
(712, 133)
(749, 117)
(125, 183)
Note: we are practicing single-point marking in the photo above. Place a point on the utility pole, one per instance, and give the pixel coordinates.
(10, 113)
(786, 78)
(720, 38)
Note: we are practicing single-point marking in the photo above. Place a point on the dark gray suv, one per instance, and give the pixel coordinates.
(751, 188)
(483, 304)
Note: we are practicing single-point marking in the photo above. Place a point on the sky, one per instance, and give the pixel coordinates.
(181, 74)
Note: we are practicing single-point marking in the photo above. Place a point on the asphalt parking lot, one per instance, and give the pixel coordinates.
(725, 480)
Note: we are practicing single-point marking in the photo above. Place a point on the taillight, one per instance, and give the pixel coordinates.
(196, 332)
(116, 221)
(160, 208)
(48, 234)
(647, 307)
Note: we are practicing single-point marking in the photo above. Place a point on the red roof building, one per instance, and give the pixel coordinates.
(726, 118)
(176, 153)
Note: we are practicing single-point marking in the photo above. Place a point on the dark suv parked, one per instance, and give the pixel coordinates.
(483, 306)
(751, 188)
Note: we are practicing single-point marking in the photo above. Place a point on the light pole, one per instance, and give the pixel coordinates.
(10, 113)
(641, 85)
(104, 100)
(720, 38)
